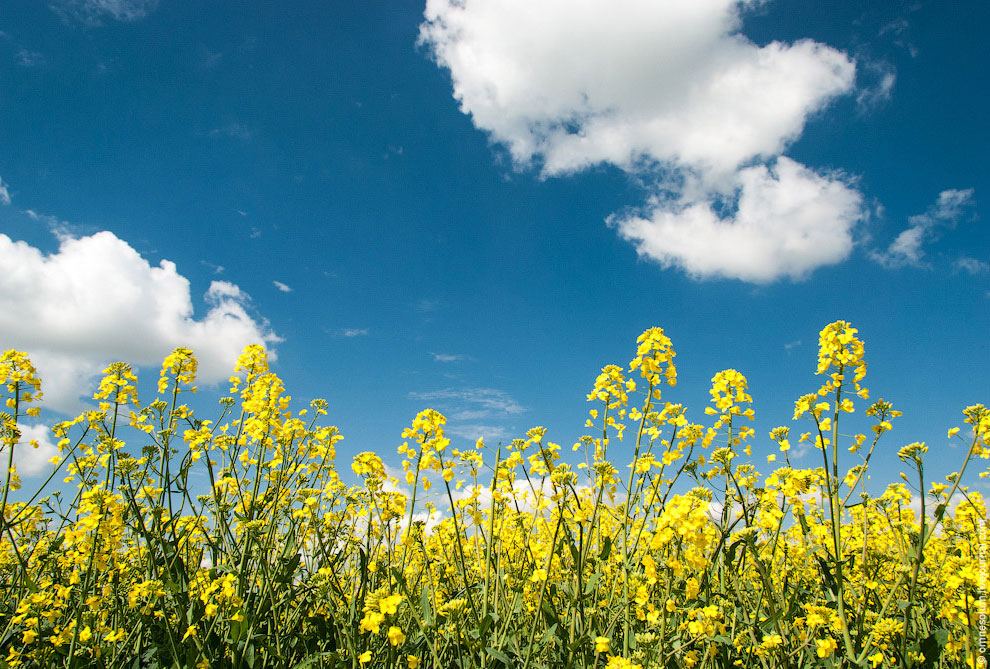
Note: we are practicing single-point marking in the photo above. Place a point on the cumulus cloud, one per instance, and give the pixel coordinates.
(787, 221)
(908, 247)
(32, 452)
(4, 192)
(671, 92)
(93, 12)
(97, 300)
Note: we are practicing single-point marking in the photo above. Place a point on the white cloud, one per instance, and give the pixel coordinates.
(282, 287)
(473, 412)
(881, 88)
(94, 11)
(473, 431)
(425, 305)
(659, 89)
(787, 221)
(490, 399)
(27, 58)
(97, 300)
(352, 332)
(448, 357)
(232, 130)
(28, 460)
(4, 192)
(908, 247)
(971, 265)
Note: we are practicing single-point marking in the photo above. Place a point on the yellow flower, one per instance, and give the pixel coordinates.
(371, 622)
(395, 635)
(389, 605)
(618, 662)
(180, 365)
(365, 657)
(826, 646)
(601, 644)
(412, 661)
(192, 630)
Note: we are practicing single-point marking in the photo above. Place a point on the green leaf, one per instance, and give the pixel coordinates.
(425, 606)
(589, 587)
(500, 656)
(606, 549)
(575, 554)
(288, 568)
(730, 554)
(931, 647)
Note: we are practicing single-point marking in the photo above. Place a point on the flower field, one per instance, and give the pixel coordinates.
(683, 555)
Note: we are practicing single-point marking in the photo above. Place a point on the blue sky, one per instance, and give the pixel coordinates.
(476, 206)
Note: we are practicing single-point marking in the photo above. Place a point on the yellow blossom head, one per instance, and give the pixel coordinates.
(655, 358)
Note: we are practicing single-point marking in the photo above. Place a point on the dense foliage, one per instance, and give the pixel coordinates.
(235, 542)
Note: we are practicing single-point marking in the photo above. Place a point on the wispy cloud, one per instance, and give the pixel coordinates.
(27, 58)
(971, 265)
(474, 432)
(425, 305)
(351, 332)
(282, 287)
(907, 249)
(448, 357)
(232, 130)
(899, 31)
(490, 399)
(209, 59)
(474, 412)
(880, 78)
(4, 192)
(93, 12)
(61, 229)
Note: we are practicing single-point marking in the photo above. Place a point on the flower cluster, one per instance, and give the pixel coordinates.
(234, 542)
